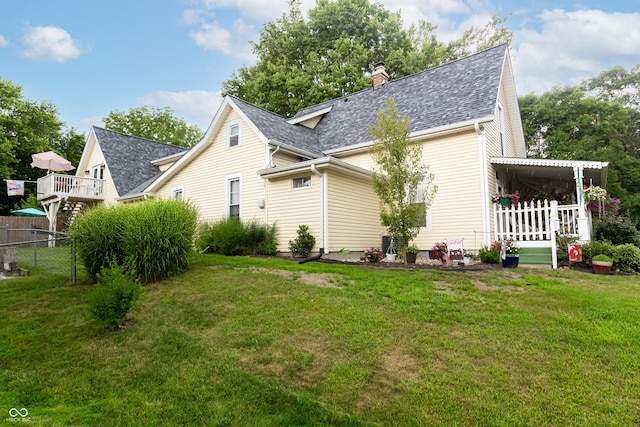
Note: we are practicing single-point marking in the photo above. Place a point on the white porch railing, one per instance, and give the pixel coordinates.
(70, 187)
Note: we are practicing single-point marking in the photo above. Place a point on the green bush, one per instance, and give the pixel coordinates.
(489, 255)
(158, 238)
(115, 295)
(627, 258)
(618, 229)
(562, 244)
(302, 244)
(233, 237)
(98, 236)
(596, 247)
(155, 237)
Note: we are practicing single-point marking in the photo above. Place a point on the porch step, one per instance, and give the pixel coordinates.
(535, 256)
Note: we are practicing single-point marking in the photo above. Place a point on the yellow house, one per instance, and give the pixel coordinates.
(315, 168)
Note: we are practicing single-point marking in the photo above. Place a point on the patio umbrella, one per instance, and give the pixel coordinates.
(51, 162)
(28, 212)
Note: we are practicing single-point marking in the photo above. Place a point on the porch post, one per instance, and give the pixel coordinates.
(553, 209)
(584, 231)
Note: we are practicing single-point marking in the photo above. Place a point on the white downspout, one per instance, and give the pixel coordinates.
(484, 185)
(323, 208)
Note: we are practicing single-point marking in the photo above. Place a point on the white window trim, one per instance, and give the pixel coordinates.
(428, 220)
(175, 190)
(229, 126)
(98, 167)
(293, 187)
(230, 178)
(501, 129)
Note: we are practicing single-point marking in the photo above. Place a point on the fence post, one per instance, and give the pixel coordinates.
(35, 248)
(6, 239)
(554, 227)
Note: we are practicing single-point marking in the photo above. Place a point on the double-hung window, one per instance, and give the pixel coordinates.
(233, 134)
(233, 196)
(177, 193)
(419, 199)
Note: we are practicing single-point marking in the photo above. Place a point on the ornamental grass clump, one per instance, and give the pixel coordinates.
(231, 236)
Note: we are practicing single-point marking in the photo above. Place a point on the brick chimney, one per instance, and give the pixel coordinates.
(379, 75)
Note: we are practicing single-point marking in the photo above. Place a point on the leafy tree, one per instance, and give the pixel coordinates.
(399, 176)
(330, 54)
(158, 124)
(26, 127)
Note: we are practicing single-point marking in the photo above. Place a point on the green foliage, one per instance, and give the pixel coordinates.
(116, 293)
(303, 62)
(154, 236)
(602, 258)
(489, 255)
(627, 258)
(158, 237)
(403, 183)
(231, 236)
(596, 247)
(158, 124)
(302, 244)
(618, 229)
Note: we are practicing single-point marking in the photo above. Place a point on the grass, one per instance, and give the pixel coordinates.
(255, 341)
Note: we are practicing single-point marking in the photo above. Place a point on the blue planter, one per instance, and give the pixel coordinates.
(510, 261)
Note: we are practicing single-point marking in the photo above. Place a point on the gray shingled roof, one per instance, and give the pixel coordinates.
(459, 91)
(129, 158)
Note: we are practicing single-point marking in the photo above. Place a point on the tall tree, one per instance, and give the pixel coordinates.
(26, 127)
(330, 54)
(401, 180)
(158, 124)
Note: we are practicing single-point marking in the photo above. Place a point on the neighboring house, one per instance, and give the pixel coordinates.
(315, 168)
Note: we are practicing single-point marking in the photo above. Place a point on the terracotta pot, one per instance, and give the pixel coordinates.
(602, 267)
(411, 258)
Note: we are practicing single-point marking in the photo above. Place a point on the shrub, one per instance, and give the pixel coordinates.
(618, 229)
(489, 255)
(155, 237)
(373, 255)
(562, 244)
(627, 258)
(231, 237)
(302, 244)
(158, 238)
(596, 247)
(115, 295)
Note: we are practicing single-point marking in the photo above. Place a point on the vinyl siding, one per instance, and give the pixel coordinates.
(353, 208)
(204, 179)
(289, 208)
(457, 207)
(94, 158)
(281, 159)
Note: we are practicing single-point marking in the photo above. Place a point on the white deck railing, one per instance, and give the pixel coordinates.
(71, 187)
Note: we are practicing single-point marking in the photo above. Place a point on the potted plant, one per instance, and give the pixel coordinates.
(602, 264)
(506, 199)
(439, 252)
(511, 252)
(412, 254)
(468, 256)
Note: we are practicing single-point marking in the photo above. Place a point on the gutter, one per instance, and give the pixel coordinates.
(323, 207)
(484, 181)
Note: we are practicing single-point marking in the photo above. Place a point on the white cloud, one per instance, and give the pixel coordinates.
(50, 43)
(3, 41)
(233, 42)
(196, 106)
(572, 46)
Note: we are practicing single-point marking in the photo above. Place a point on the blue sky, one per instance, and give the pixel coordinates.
(93, 57)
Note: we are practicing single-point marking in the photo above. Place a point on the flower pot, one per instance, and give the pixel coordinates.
(510, 261)
(466, 260)
(411, 258)
(391, 257)
(505, 201)
(602, 267)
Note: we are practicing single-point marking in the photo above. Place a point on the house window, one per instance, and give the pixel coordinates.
(501, 125)
(233, 197)
(177, 194)
(419, 200)
(97, 172)
(303, 182)
(234, 134)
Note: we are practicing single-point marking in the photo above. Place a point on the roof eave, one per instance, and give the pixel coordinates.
(321, 163)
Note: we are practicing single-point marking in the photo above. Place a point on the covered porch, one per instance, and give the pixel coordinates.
(551, 201)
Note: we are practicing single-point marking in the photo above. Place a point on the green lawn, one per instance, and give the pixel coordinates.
(267, 342)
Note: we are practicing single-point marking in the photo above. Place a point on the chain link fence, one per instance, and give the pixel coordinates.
(39, 250)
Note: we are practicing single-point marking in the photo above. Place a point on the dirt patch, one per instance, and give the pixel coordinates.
(321, 280)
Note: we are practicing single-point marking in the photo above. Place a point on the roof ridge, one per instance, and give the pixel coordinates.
(139, 137)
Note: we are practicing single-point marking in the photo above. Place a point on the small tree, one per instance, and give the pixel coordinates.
(401, 180)
(302, 244)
